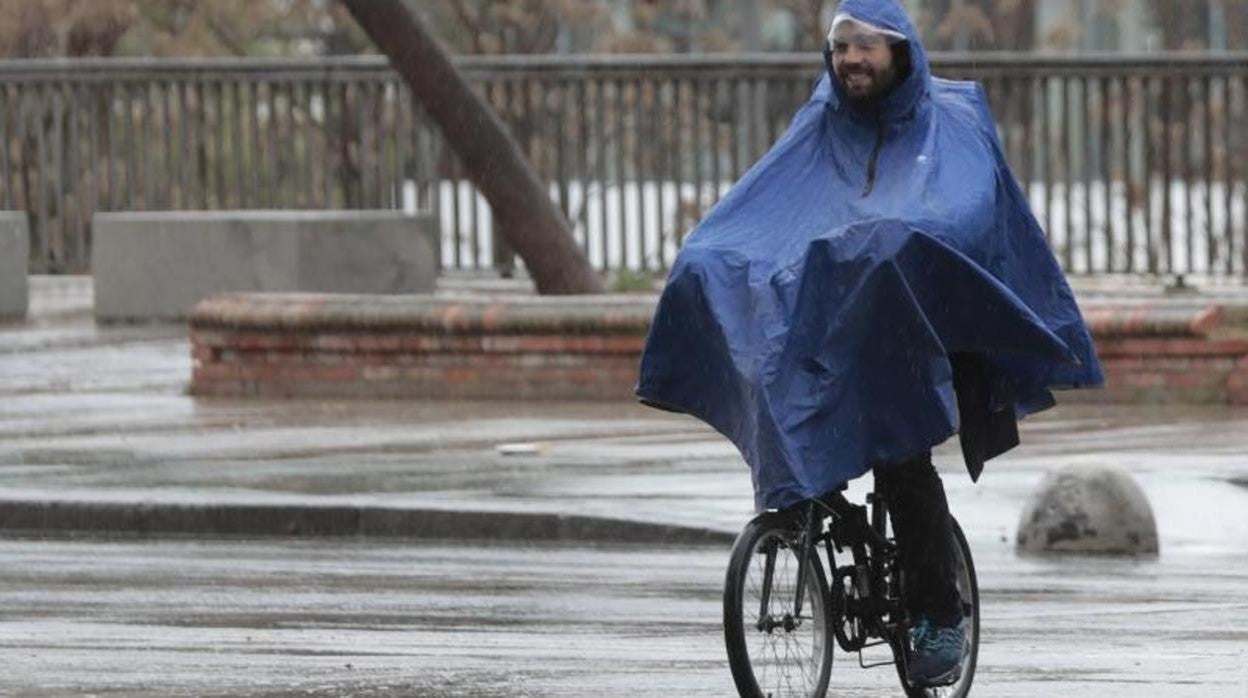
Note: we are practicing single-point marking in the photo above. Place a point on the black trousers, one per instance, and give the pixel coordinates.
(921, 525)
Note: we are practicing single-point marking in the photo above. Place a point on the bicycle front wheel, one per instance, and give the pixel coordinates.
(771, 651)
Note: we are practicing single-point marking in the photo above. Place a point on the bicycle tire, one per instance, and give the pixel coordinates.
(968, 587)
(780, 661)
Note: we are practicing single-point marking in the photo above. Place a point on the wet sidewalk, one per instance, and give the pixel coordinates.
(97, 434)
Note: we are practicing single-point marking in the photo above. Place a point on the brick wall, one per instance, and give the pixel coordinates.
(1174, 353)
(402, 347)
(588, 348)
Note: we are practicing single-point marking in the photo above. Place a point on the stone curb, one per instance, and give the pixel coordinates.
(600, 314)
(446, 314)
(1118, 321)
(146, 519)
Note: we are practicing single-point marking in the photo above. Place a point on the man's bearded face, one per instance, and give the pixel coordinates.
(863, 62)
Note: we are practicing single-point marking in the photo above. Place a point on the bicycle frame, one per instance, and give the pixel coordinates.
(838, 523)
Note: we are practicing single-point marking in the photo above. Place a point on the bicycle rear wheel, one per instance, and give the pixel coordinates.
(771, 652)
(968, 589)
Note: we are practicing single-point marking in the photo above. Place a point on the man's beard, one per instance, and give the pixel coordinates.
(864, 84)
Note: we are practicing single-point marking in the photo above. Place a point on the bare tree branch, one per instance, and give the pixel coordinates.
(471, 24)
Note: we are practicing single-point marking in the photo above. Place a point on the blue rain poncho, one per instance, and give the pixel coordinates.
(818, 314)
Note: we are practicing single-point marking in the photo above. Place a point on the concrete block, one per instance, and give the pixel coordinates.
(1091, 509)
(156, 265)
(14, 258)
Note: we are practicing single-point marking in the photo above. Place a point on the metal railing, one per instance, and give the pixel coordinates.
(1135, 164)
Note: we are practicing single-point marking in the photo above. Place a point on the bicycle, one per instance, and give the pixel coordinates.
(779, 642)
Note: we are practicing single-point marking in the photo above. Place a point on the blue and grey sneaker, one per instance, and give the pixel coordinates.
(936, 654)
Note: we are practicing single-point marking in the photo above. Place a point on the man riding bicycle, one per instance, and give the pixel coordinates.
(875, 284)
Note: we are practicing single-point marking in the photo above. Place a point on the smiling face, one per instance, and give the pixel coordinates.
(862, 61)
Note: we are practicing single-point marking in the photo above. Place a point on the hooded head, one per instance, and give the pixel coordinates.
(875, 59)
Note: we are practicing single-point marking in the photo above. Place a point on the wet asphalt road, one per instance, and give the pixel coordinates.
(358, 618)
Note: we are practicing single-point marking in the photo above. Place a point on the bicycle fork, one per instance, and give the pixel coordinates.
(807, 544)
(804, 549)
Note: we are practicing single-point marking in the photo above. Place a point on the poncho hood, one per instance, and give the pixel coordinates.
(906, 97)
